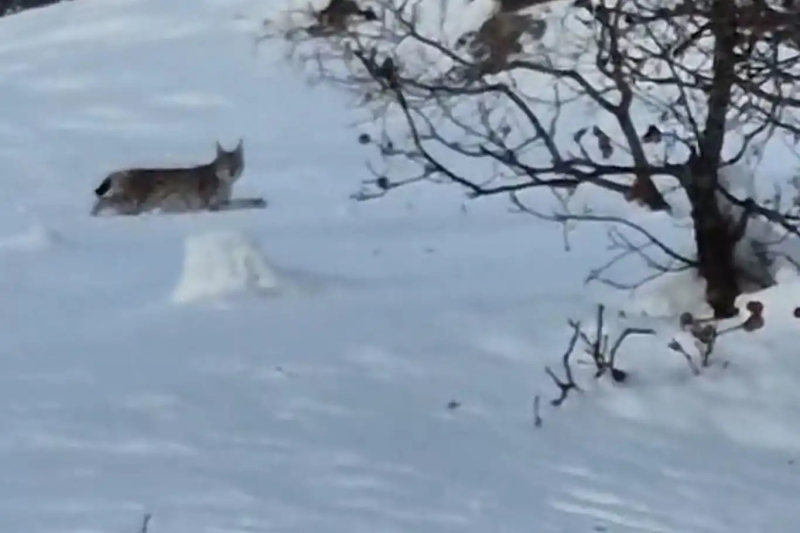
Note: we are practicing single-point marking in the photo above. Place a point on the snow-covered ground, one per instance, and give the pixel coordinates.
(290, 369)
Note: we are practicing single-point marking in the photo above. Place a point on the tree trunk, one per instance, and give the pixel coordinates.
(715, 235)
(715, 239)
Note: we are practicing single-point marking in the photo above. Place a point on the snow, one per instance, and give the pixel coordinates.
(324, 407)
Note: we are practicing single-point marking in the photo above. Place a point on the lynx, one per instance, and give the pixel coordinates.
(205, 187)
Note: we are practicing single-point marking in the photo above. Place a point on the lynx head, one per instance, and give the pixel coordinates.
(230, 165)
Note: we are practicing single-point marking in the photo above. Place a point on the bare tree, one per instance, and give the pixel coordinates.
(643, 99)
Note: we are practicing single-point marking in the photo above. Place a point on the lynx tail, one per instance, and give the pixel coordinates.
(103, 188)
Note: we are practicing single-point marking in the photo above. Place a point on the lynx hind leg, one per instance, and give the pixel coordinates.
(97, 207)
(101, 204)
(115, 203)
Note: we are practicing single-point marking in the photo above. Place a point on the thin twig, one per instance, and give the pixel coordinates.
(676, 346)
(537, 418)
(145, 522)
(618, 343)
(569, 383)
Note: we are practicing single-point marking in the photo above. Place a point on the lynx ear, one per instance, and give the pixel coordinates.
(220, 150)
(240, 146)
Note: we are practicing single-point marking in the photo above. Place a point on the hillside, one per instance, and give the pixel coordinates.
(322, 403)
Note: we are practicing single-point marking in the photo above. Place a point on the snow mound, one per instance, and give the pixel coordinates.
(223, 263)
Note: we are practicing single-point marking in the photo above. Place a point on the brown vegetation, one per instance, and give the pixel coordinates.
(337, 16)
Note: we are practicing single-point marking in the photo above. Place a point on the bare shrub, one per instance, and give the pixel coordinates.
(603, 352)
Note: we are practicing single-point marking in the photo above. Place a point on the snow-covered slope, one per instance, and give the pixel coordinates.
(319, 403)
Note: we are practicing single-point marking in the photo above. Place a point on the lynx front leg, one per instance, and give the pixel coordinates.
(219, 199)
